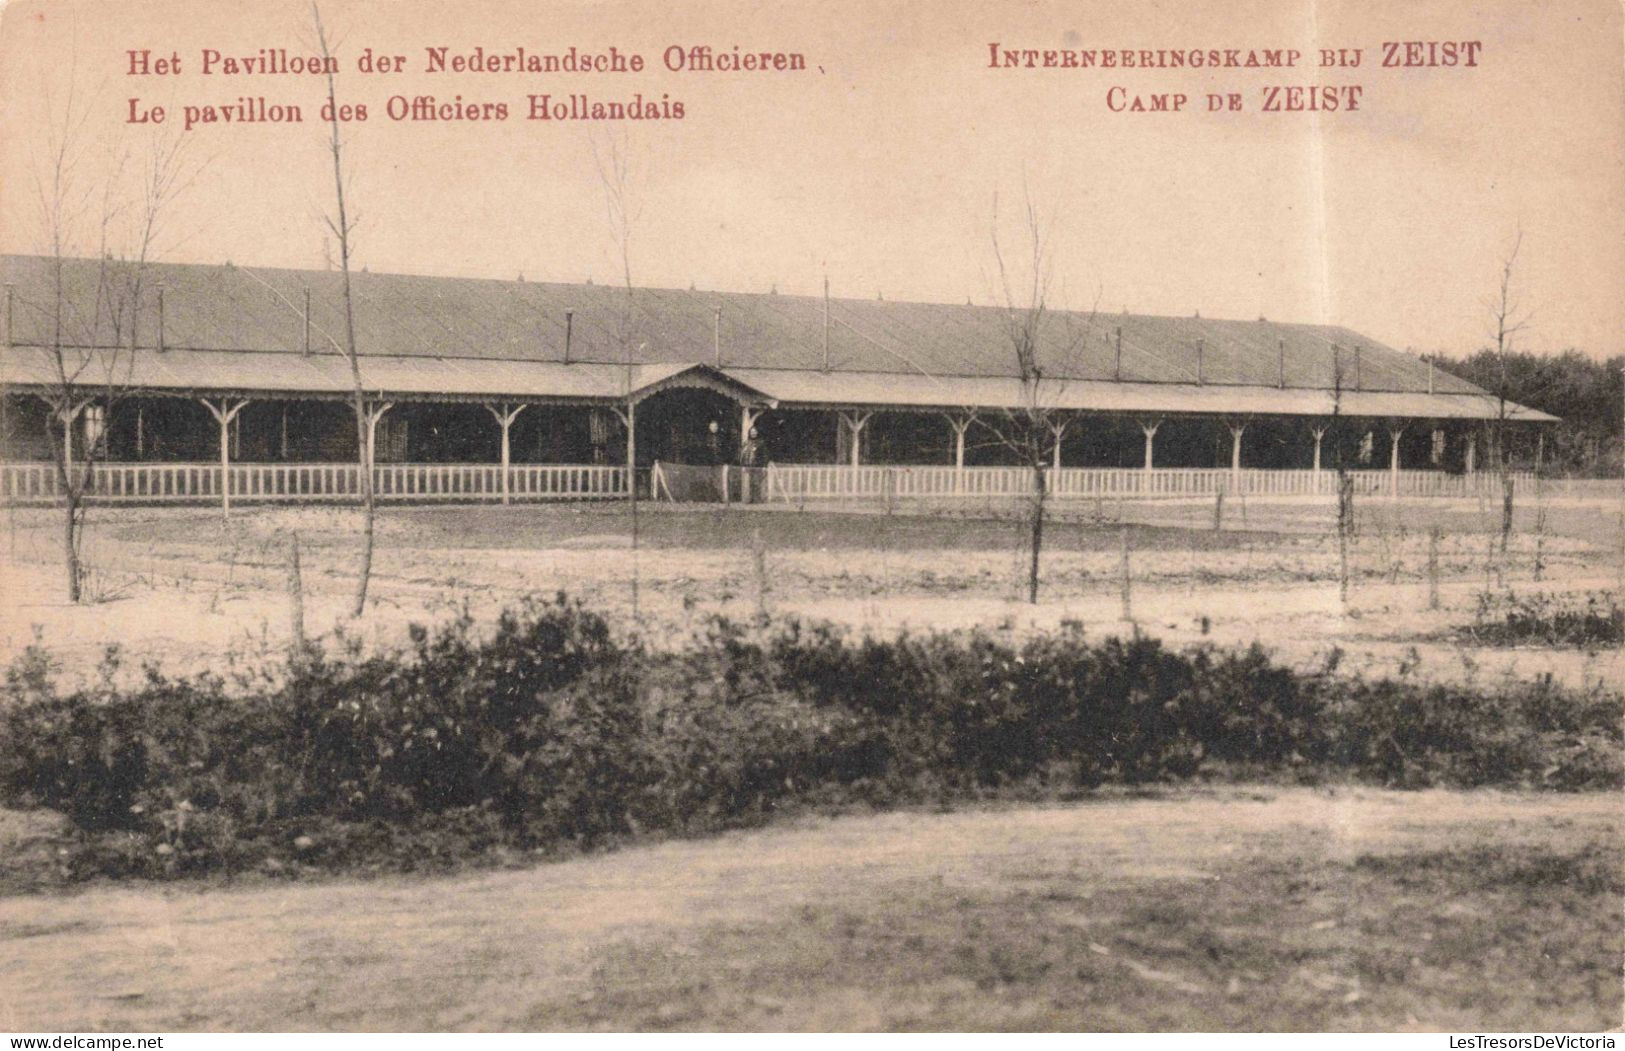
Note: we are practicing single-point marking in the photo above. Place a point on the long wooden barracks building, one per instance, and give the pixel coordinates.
(210, 381)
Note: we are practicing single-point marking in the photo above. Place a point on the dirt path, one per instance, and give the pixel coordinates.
(536, 948)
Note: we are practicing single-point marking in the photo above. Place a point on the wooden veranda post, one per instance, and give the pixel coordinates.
(224, 412)
(374, 412)
(1057, 428)
(505, 413)
(854, 421)
(1150, 429)
(960, 423)
(1395, 432)
(68, 413)
(632, 451)
(1236, 429)
(629, 419)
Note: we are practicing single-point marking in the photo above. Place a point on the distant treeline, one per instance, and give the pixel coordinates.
(1584, 392)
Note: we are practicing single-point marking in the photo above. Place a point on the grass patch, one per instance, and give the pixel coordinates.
(1466, 937)
(1174, 907)
(1591, 871)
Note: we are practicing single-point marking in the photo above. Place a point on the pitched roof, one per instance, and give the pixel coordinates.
(328, 375)
(870, 390)
(237, 327)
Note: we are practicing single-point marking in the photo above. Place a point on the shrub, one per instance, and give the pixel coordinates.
(1526, 734)
(535, 723)
(1548, 620)
(548, 734)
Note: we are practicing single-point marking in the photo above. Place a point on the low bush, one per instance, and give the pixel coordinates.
(1547, 620)
(549, 734)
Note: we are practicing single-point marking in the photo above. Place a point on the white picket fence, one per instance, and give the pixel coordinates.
(40, 483)
(803, 483)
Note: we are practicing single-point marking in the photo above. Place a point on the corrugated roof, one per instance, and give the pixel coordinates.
(231, 327)
(790, 386)
(249, 372)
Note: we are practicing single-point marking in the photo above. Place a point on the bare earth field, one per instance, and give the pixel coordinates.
(184, 587)
(1189, 908)
(1232, 909)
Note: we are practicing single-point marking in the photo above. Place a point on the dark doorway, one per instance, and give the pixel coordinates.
(688, 425)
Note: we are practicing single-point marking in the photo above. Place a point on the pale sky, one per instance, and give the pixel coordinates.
(880, 163)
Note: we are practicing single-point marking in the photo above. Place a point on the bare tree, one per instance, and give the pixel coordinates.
(1345, 481)
(91, 324)
(1042, 342)
(1509, 321)
(342, 226)
(616, 175)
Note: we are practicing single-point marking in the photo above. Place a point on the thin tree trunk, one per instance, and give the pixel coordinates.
(70, 541)
(296, 604)
(1433, 567)
(1506, 509)
(1345, 525)
(1125, 572)
(632, 489)
(1037, 541)
(64, 455)
(363, 424)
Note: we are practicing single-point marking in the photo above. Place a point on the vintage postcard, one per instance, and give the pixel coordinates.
(851, 516)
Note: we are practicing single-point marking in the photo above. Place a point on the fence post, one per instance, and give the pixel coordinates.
(1506, 509)
(296, 604)
(1540, 541)
(1433, 567)
(1345, 526)
(1127, 575)
(758, 552)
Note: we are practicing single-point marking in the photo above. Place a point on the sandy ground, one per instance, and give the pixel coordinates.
(590, 942)
(183, 589)
(518, 948)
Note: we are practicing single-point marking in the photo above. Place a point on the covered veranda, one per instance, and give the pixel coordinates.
(274, 445)
(438, 439)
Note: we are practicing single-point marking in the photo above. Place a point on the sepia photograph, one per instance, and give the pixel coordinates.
(952, 516)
